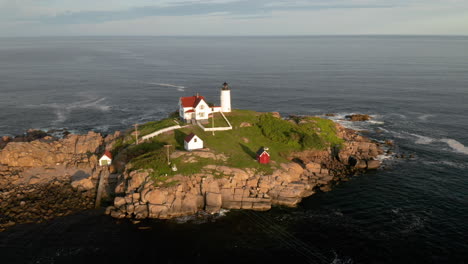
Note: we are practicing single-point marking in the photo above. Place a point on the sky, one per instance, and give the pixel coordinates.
(232, 17)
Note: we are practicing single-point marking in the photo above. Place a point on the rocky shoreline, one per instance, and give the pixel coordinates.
(221, 187)
(42, 177)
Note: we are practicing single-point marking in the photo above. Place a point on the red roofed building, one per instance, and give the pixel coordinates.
(196, 108)
(192, 142)
(263, 156)
(106, 159)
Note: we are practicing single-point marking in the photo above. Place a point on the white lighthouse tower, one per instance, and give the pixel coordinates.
(225, 98)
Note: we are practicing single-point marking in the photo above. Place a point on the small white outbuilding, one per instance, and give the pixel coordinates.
(106, 159)
(192, 142)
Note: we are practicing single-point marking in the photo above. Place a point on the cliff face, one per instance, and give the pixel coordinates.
(219, 187)
(46, 177)
(46, 152)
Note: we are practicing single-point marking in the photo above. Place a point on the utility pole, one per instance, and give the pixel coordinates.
(136, 133)
(212, 119)
(168, 155)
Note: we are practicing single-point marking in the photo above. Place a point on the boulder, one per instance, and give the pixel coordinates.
(358, 117)
(83, 184)
(276, 114)
(213, 202)
(119, 201)
(373, 164)
(136, 180)
(141, 211)
(156, 211)
(156, 196)
(360, 164)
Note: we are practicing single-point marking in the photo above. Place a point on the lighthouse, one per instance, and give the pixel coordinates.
(225, 98)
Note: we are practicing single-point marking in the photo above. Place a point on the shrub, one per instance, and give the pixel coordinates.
(312, 141)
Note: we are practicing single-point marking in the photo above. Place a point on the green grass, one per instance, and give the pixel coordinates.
(239, 145)
(153, 126)
(218, 121)
(325, 128)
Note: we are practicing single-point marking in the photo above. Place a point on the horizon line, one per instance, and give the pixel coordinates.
(279, 35)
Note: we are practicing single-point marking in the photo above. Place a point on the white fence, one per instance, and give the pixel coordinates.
(164, 130)
(216, 128)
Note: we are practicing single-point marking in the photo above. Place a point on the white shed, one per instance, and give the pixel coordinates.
(106, 159)
(192, 142)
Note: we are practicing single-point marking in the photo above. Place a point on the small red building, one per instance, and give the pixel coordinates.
(263, 156)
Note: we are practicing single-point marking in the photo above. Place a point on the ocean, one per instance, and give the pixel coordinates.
(413, 210)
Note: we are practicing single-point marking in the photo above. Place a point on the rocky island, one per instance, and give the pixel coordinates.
(42, 177)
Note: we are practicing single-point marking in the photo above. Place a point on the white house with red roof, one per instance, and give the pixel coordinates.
(106, 159)
(196, 107)
(192, 142)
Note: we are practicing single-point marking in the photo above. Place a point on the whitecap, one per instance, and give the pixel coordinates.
(455, 145)
(425, 117)
(62, 111)
(385, 157)
(223, 212)
(423, 140)
(452, 164)
(383, 129)
(341, 260)
(178, 87)
(376, 122)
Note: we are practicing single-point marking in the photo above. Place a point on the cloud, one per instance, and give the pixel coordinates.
(232, 17)
(67, 12)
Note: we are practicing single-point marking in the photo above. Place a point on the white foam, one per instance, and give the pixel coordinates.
(384, 157)
(376, 122)
(359, 126)
(223, 212)
(179, 87)
(455, 145)
(62, 111)
(384, 130)
(425, 117)
(447, 163)
(423, 140)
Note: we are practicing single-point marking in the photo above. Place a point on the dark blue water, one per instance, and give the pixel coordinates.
(416, 88)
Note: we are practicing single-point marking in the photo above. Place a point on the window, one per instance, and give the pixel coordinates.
(202, 107)
(195, 140)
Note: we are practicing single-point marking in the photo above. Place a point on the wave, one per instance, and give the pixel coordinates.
(376, 122)
(452, 164)
(455, 145)
(425, 117)
(179, 87)
(341, 260)
(423, 140)
(407, 222)
(62, 111)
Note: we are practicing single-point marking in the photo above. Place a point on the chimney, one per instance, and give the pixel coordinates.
(198, 95)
